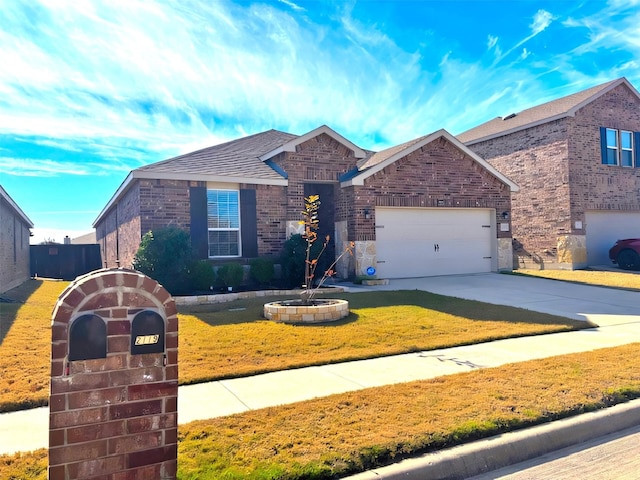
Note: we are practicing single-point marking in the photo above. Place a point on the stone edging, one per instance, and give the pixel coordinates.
(229, 297)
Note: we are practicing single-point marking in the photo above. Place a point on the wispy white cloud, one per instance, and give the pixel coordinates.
(541, 21)
(51, 168)
(292, 5)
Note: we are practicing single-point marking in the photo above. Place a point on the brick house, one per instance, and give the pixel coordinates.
(577, 164)
(14, 243)
(427, 207)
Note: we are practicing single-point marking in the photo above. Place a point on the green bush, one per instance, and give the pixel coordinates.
(292, 260)
(261, 270)
(165, 255)
(230, 275)
(201, 275)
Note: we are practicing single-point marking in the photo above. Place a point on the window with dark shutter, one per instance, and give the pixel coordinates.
(619, 147)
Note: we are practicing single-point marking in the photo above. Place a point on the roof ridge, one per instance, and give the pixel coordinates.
(220, 146)
(541, 113)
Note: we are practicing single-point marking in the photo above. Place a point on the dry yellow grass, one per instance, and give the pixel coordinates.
(230, 340)
(354, 431)
(25, 339)
(617, 279)
(226, 340)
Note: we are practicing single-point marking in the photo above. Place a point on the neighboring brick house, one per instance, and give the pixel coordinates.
(576, 161)
(426, 207)
(14, 243)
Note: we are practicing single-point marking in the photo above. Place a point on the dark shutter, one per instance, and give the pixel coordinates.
(199, 229)
(636, 148)
(248, 223)
(603, 145)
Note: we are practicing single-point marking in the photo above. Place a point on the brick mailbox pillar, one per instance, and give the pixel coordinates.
(114, 379)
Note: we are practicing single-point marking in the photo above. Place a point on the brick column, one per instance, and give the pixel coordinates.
(113, 401)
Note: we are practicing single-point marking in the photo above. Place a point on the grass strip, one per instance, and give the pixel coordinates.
(617, 279)
(342, 434)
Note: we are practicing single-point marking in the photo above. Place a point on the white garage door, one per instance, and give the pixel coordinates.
(604, 228)
(419, 242)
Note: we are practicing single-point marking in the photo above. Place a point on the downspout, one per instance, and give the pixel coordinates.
(117, 238)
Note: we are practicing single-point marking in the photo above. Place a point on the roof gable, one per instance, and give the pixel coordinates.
(14, 206)
(291, 145)
(380, 160)
(540, 114)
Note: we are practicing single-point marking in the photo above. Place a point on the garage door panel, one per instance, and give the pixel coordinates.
(414, 242)
(603, 228)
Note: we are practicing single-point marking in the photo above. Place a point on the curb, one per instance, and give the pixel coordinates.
(484, 456)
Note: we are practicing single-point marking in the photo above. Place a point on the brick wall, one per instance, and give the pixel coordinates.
(559, 170)
(147, 205)
(113, 418)
(535, 159)
(14, 248)
(271, 211)
(595, 186)
(436, 175)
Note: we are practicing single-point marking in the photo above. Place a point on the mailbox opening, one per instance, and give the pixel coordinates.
(147, 333)
(87, 338)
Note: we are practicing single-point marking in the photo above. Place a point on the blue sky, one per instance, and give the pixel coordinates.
(90, 90)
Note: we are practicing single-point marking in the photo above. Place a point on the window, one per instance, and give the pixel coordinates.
(612, 147)
(619, 147)
(626, 148)
(223, 222)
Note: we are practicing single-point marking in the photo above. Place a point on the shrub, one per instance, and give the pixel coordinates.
(201, 275)
(165, 255)
(261, 270)
(293, 260)
(230, 275)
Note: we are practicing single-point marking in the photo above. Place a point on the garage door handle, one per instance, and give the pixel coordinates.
(486, 257)
(381, 261)
(436, 247)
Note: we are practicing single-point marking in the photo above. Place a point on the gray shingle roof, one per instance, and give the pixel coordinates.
(238, 158)
(539, 114)
(376, 158)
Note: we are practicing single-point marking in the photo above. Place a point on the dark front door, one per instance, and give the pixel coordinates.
(326, 221)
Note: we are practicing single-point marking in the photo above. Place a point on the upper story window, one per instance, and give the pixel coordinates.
(626, 148)
(620, 147)
(223, 222)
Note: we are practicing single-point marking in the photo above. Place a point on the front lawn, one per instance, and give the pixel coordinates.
(231, 339)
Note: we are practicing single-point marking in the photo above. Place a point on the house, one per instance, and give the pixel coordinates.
(577, 164)
(427, 207)
(14, 243)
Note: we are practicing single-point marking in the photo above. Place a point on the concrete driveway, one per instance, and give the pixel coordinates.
(600, 305)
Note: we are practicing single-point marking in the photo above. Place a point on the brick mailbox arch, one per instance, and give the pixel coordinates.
(113, 401)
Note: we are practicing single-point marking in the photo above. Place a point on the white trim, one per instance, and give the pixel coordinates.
(360, 178)
(14, 206)
(291, 145)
